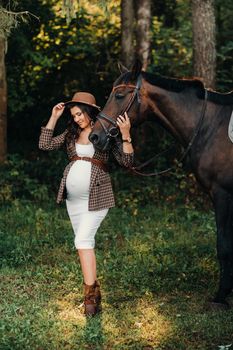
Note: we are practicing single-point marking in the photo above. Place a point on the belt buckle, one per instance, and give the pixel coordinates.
(81, 158)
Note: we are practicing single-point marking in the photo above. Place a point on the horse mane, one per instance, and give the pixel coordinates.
(178, 85)
(220, 98)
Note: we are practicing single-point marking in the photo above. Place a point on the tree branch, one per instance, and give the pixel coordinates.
(16, 14)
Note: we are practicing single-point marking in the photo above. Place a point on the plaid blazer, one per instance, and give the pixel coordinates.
(101, 192)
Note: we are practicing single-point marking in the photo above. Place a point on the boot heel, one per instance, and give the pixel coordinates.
(92, 299)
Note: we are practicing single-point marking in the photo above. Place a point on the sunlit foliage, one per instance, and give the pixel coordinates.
(65, 52)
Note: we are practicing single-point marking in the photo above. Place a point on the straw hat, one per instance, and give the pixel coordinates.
(84, 98)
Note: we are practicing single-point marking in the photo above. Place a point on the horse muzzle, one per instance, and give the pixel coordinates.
(100, 142)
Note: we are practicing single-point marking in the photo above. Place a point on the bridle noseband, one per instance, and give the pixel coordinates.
(113, 131)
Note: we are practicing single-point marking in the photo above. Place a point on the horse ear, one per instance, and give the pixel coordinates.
(122, 68)
(137, 68)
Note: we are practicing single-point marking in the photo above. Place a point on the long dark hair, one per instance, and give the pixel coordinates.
(72, 127)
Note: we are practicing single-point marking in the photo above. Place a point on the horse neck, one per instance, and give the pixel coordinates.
(178, 112)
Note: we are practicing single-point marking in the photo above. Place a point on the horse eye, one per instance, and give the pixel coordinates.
(119, 96)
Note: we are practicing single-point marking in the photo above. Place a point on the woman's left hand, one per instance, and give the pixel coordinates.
(124, 125)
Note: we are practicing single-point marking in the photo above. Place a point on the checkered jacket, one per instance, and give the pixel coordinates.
(101, 193)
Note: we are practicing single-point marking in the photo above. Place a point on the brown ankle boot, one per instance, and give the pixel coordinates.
(92, 299)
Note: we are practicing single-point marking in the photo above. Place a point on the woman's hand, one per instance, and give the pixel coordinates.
(124, 125)
(57, 110)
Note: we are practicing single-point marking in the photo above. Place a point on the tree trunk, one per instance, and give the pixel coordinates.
(3, 102)
(127, 32)
(143, 9)
(204, 51)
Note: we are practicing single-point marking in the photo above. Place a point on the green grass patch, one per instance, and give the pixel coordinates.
(157, 267)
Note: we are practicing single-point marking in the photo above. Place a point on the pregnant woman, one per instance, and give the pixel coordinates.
(86, 184)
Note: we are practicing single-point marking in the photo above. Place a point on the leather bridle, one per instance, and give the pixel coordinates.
(113, 131)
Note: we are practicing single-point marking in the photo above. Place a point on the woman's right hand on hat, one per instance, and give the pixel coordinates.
(57, 110)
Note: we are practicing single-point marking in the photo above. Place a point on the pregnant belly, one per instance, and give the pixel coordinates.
(78, 180)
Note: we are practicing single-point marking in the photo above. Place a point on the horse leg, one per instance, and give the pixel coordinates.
(223, 204)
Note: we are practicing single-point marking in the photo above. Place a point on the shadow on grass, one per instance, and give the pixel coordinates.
(93, 333)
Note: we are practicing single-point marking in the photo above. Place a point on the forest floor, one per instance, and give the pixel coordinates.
(157, 269)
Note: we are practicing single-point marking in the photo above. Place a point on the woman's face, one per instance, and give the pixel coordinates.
(81, 118)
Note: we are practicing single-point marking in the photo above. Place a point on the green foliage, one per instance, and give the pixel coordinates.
(38, 180)
(51, 59)
(224, 44)
(9, 19)
(78, 55)
(172, 40)
(17, 181)
(175, 188)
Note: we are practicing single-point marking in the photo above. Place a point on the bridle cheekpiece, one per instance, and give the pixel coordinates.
(113, 131)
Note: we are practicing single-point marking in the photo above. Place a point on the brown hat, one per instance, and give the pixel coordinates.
(85, 98)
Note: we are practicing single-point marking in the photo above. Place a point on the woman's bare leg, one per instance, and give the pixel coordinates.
(88, 265)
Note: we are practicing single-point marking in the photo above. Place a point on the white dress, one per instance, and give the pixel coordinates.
(85, 223)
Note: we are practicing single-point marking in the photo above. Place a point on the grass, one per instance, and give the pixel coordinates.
(157, 269)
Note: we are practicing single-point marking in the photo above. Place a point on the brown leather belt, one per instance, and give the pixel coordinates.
(95, 161)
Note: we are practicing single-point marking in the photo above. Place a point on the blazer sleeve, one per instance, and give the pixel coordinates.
(47, 142)
(125, 159)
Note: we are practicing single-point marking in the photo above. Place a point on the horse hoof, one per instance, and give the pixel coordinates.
(217, 306)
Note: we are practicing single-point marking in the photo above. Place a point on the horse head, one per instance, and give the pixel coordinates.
(124, 97)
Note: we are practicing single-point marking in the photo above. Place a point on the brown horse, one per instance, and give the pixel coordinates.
(199, 120)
